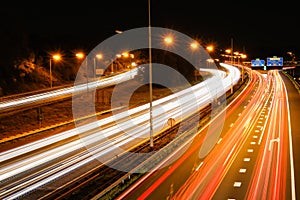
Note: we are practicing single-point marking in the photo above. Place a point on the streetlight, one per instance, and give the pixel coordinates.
(97, 57)
(150, 74)
(79, 55)
(55, 57)
(293, 60)
(168, 40)
(194, 45)
(231, 50)
(228, 51)
(292, 56)
(242, 56)
(210, 48)
(132, 63)
(209, 61)
(127, 56)
(236, 56)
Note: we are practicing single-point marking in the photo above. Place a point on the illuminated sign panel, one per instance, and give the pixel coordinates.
(257, 63)
(275, 61)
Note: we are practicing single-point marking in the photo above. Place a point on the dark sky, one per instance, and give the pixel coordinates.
(258, 28)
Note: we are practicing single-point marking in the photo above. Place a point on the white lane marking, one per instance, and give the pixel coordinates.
(246, 159)
(272, 141)
(264, 127)
(254, 136)
(291, 148)
(252, 143)
(219, 141)
(199, 166)
(242, 170)
(237, 184)
(250, 150)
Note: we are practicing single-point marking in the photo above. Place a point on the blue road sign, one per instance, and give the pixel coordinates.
(275, 61)
(257, 63)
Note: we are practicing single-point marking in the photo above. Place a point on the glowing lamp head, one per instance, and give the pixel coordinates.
(56, 57)
(194, 45)
(210, 48)
(79, 55)
(168, 40)
(99, 56)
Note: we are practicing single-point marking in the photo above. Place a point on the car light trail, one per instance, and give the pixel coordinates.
(202, 183)
(104, 137)
(66, 92)
(270, 179)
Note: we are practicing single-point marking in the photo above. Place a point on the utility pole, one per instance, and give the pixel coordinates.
(231, 50)
(150, 75)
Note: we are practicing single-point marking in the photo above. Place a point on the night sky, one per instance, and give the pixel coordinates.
(260, 30)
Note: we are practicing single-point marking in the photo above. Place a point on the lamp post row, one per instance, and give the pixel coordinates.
(57, 57)
(168, 40)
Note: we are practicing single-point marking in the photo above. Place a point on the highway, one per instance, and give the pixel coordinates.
(26, 168)
(252, 158)
(271, 173)
(294, 104)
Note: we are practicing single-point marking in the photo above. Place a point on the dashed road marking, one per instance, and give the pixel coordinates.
(237, 184)
(199, 166)
(250, 150)
(219, 140)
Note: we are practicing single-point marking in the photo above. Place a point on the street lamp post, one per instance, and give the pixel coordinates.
(97, 57)
(80, 56)
(243, 56)
(50, 72)
(150, 74)
(231, 51)
(55, 57)
(228, 51)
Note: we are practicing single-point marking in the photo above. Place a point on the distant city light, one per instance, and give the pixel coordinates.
(125, 54)
(228, 50)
